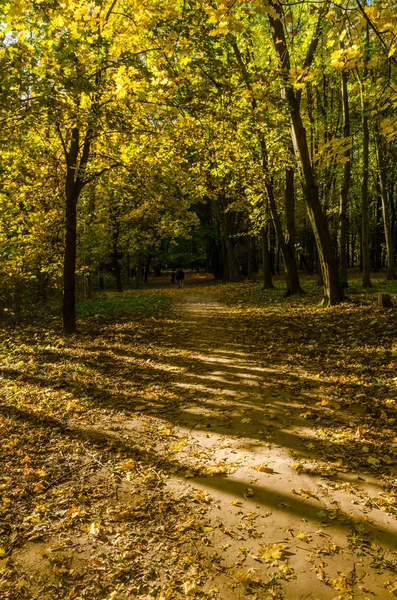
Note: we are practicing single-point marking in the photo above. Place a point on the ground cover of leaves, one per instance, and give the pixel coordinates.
(238, 444)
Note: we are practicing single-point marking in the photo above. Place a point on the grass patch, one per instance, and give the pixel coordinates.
(130, 302)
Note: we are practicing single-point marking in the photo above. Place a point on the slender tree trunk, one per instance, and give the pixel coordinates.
(74, 183)
(101, 280)
(292, 274)
(364, 205)
(138, 270)
(251, 257)
(343, 196)
(287, 247)
(233, 271)
(267, 272)
(147, 267)
(69, 264)
(333, 290)
(115, 228)
(365, 245)
(391, 270)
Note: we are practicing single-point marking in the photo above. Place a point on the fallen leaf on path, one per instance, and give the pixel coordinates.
(272, 552)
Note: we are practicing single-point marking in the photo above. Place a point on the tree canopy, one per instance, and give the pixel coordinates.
(129, 128)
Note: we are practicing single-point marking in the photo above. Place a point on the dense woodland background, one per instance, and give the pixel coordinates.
(237, 137)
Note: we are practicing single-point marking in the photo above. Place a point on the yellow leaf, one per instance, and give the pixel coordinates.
(190, 588)
(3, 564)
(246, 578)
(95, 529)
(305, 537)
(392, 588)
(304, 493)
(246, 420)
(272, 552)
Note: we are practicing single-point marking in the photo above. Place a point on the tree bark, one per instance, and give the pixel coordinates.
(364, 181)
(251, 257)
(343, 196)
(115, 231)
(390, 270)
(267, 272)
(74, 184)
(333, 290)
(147, 267)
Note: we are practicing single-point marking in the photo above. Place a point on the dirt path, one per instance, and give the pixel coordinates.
(276, 508)
(177, 457)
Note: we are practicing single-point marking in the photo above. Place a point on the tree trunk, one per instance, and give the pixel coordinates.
(343, 196)
(333, 290)
(115, 227)
(101, 280)
(364, 181)
(251, 257)
(138, 270)
(147, 267)
(390, 271)
(69, 264)
(287, 247)
(267, 272)
(232, 271)
(74, 183)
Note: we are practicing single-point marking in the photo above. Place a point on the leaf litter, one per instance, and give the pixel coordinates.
(114, 486)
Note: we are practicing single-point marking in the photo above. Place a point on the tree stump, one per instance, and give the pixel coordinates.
(384, 300)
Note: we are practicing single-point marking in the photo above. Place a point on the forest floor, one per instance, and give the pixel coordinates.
(218, 442)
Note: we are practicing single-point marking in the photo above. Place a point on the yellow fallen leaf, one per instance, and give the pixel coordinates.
(247, 577)
(246, 420)
(178, 446)
(287, 572)
(373, 461)
(262, 468)
(190, 588)
(304, 493)
(128, 465)
(3, 564)
(272, 552)
(95, 529)
(392, 588)
(305, 537)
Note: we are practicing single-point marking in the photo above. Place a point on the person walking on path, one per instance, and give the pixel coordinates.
(180, 276)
